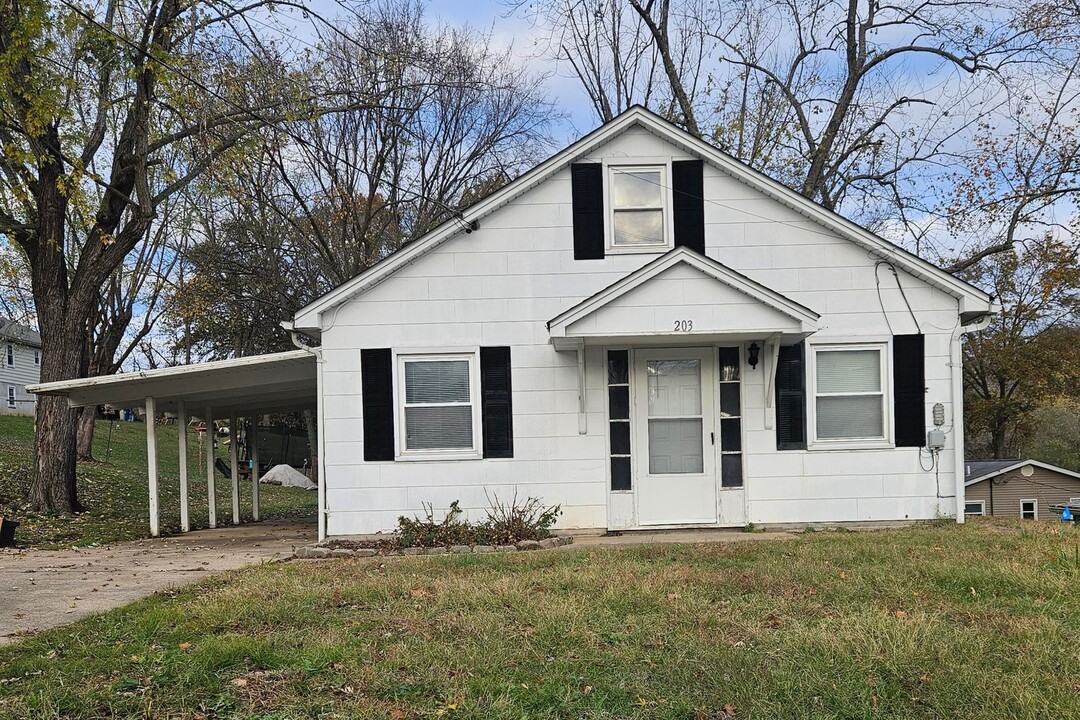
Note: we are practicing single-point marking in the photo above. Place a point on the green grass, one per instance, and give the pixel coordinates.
(935, 621)
(116, 493)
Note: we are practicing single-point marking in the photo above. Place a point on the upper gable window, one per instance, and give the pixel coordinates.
(638, 199)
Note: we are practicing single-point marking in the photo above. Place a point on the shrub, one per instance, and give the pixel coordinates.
(508, 523)
(505, 524)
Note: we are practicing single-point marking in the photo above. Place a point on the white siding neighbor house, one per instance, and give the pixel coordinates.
(650, 334)
(640, 329)
(20, 365)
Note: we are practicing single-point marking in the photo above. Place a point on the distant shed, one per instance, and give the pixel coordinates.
(1026, 489)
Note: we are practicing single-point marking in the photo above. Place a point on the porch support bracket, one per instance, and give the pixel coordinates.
(773, 345)
(564, 344)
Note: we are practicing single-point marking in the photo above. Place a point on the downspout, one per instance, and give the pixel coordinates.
(957, 364)
(319, 426)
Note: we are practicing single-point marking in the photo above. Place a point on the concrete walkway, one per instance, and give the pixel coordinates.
(40, 589)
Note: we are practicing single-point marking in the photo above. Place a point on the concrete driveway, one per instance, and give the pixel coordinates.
(41, 589)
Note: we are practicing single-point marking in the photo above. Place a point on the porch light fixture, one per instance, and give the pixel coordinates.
(752, 355)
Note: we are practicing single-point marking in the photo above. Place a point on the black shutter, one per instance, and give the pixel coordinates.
(587, 190)
(909, 390)
(688, 211)
(495, 402)
(791, 398)
(377, 385)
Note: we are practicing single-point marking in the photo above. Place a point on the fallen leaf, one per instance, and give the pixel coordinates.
(240, 682)
(185, 645)
(673, 596)
(729, 710)
(901, 614)
(587, 690)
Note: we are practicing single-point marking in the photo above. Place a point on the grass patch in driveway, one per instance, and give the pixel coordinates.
(976, 621)
(116, 494)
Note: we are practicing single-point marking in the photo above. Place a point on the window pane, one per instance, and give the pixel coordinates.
(675, 447)
(619, 403)
(729, 364)
(849, 417)
(731, 471)
(620, 473)
(674, 387)
(729, 400)
(973, 508)
(617, 361)
(620, 438)
(438, 428)
(730, 435)
(637, 188)
(639, 227)
(848, 371)
(437, 381)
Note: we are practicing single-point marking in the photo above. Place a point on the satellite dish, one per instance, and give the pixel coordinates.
(1027, 471)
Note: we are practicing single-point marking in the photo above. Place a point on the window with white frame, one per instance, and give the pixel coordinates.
(975, 507)
(638, 199)
(10, 355)
(1029, 509)
(437, 397)
(850, 393)
(11, 397)
(37, 357)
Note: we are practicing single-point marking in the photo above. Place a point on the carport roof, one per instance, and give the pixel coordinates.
(279, 382)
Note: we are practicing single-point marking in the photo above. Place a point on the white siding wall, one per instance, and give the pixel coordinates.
(23, 373)
(502, 283)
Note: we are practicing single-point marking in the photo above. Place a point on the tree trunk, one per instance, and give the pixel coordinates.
(85, 445)
(313, 442)
(53, 487)
(998, 439)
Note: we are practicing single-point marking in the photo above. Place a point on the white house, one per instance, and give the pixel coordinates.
(650, 334)
(642, 330)
(20, 365)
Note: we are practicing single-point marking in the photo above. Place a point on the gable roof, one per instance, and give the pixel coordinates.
(971, 298)
(803, 319)
(979, 470)
(11, 330)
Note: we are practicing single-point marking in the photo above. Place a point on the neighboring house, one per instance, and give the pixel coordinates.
(1026, 489)
(650, 334)
(642, 330)
(20, 365)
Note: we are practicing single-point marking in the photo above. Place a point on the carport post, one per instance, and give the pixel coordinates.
(235, 471)
(211, 485)
(151, 463)
(181, 438)
(253, 438)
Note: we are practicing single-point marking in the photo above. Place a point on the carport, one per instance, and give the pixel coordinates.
(238, 389)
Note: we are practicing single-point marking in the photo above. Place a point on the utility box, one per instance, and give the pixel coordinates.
(935, 439)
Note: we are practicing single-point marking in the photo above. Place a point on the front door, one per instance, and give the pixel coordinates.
(676, 478)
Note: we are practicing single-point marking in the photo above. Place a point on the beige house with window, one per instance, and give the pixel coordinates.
(1026, 489)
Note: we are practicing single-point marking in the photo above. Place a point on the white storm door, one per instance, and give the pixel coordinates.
(676, 477)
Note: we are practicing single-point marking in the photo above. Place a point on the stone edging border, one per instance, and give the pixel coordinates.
(318, 552)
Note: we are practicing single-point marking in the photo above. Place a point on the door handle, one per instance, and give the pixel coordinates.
(712, 438)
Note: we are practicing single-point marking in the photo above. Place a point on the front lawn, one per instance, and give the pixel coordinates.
(937, 621)
(116, 493)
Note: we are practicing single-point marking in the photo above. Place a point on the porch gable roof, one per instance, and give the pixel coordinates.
(709, 307)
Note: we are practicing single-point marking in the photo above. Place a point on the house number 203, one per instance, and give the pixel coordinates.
(684, 325)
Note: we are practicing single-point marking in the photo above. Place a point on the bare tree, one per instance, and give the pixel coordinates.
(614, 50)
